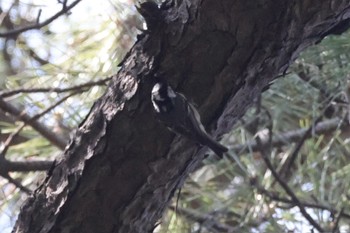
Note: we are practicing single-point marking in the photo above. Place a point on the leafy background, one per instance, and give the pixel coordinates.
(239, 193)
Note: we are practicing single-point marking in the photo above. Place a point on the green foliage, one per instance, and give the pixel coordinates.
(232, 191)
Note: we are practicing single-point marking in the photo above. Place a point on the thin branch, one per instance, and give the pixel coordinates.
(293, 136)
(64, 10)
(32, 121)
(9, 140)
(278, 198)
(321, 88)
(298, 146)
(42, 129)
(17, 184)
(64, 3)
(286, 188)
(336, 224)
(206, 220)
(38, 16)
(37, 116)
(7, 166)
(27, 166)
(36, 57)
(5, 94)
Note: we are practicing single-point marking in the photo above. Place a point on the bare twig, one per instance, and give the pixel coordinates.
(38, 25)
(17, 184)
(32, 121)
(63, 2)
(206, 220)
(39, 127)
(286, 187)
(37, 116)
(298, 146)
(8, 141)
(293, 136)
(278, 198)
(7, 166)
(321, 88)
(278, 178)
(5, 94)
(38, 16)
(336, 224)
(27, 166)
(36, 57)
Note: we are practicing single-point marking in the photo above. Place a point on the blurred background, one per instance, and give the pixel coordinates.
(289, 153)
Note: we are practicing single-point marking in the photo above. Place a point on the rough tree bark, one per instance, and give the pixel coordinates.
(122, 167)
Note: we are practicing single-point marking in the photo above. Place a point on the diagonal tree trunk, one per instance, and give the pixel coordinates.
(122, 167)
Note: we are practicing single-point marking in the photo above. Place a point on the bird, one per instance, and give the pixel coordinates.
(180, 116)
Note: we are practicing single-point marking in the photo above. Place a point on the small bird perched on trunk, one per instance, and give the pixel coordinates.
(180, 116)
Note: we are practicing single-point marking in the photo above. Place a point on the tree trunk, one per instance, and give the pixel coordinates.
(122, 167)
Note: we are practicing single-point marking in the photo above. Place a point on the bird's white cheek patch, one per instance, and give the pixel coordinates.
(156, 88)
(155, 106)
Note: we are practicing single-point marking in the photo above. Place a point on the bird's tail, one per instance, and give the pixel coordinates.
(214, 146)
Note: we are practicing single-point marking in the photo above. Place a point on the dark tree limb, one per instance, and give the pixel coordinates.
(28, 165)
(121, 169)
(4, 94)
